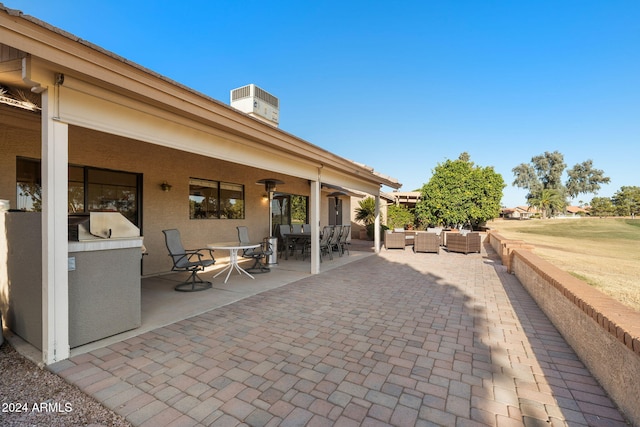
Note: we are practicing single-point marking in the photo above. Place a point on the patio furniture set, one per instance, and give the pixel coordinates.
(432, 240)
(291, 240)
(296, 239)
(195, 260)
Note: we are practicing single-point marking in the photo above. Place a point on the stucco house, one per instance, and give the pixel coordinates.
(519, 212)
(82, 130)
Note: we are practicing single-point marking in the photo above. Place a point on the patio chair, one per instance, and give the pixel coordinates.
(345, 238)
(257, 254)
(190, 260)
(394, 240)
(426, 242)
(334, 241)
(280, 231)
(325, 239)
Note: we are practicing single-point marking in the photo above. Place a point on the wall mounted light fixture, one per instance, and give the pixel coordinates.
(165, 186)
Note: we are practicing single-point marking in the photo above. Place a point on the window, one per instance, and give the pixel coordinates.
(213, 200)
(112, 191)
(289, 209)
(90, 189)
(28, 179)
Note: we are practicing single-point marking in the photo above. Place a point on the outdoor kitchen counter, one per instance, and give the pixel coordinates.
(104, 288)
(104, 281)
(105, 244)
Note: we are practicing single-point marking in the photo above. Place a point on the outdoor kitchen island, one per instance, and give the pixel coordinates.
(104, 276)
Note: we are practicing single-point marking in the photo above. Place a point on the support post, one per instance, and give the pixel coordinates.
(315, 225)
(55, 279)
(376, 227)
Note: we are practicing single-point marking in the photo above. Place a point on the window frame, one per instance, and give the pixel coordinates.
(221, 208)
(85, 170)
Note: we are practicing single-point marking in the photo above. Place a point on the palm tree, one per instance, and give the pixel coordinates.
(366, 212)
(548, 200)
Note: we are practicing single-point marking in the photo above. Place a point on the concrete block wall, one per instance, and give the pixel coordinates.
(603, 332)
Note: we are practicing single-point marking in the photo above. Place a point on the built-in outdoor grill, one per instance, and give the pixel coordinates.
(100, 225)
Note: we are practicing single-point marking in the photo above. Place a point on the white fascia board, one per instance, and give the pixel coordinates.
(93, 108)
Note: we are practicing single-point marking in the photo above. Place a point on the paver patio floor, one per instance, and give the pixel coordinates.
(397, 339)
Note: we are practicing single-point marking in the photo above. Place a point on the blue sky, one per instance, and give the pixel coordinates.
(402, 86)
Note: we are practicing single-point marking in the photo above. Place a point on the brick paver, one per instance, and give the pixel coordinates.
(395, 339)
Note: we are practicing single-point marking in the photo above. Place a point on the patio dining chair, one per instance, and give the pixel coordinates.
(281, 231)
(257, 254)
(334, 241)
(325, 241)
(191, 260)
(344, 239)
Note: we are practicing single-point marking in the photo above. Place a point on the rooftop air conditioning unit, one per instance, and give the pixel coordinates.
(257, 103)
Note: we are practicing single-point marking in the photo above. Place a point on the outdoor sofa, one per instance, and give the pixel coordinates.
(464, 243)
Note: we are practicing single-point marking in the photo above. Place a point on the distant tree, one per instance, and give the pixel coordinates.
(298, 209)
(548, 200)
(460, 193)
(583, 178)
(399, 216)
(32, 192)
(545, 173)
(627, 201)
(601, 206)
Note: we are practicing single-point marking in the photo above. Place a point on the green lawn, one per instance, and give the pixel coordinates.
(604, 252)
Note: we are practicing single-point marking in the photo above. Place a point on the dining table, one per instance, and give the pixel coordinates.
(233, 248)
(294, 238)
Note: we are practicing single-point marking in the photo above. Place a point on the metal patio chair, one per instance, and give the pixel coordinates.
(190, 260)
(257, 254)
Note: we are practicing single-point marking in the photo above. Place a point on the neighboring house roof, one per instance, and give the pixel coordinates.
(575, 209)
(404, 197)
(520, 210)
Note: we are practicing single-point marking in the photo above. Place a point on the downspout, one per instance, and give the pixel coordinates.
(26, 76)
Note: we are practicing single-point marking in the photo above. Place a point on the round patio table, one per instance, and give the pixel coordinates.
(233, 248)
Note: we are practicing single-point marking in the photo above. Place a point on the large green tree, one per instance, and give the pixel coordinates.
(460, 193)
(627, 201)
(545, 173)
(601, 206)
(399, 216)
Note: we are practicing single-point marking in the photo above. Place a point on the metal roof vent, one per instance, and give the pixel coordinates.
(257, 103)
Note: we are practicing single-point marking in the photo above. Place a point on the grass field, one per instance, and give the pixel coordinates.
(603, 252)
